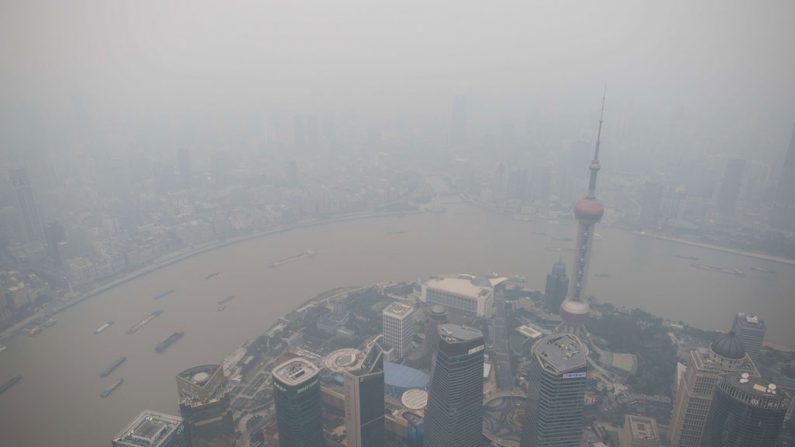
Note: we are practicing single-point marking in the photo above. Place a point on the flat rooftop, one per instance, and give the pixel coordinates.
(642, 428)
(463, 285)
(295, 371)
(561, 352)
(456, 333)
(398, 310)
(148, 429)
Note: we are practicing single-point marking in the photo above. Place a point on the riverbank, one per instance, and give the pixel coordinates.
(734, 251)
(173, 258)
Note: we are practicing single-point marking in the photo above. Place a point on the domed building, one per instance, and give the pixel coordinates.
(705, 367)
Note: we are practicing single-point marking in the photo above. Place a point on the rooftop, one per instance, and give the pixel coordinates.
(398, 310)
(642, 428)
(148, 429)
(415, 399)
(295, 371)
(561, 352)
(198, 375)
(464, 285)
(755, 391)
(400, 376)
(456, 333)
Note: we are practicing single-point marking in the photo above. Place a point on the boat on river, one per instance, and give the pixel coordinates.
(112, 367)
(104, 326)
(163, 294)
(165, 344)
(135, 328)
(8, 384)
(106, 392)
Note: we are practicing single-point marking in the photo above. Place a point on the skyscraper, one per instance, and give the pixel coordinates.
(750, 329)
(398, 327)
(204, 406)
(26, 205)
(364, 400)
(296, 394)
(556, 287)
(784, 201)
(556, 394)
(746, 412)
(152, 429)
(729, 192)
(588, 211)
(695, 393)
(458, 121)
(454, 415)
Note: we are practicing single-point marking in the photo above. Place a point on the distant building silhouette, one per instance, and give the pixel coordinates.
(784, 200)
(454, 415)
(557, 286)
(458, 121)
(730, 187)
(745, 412)
(695, 393)
(556, 394)
(184, 166)
(27, 206)
(296, 394)
(750, 329)
(204, 406)
(650, 205)
(152, 429)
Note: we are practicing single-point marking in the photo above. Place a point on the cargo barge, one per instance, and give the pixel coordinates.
(165, 344)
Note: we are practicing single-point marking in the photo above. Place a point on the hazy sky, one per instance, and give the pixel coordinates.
(721, 71)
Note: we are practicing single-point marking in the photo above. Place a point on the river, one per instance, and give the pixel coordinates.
(58, 403)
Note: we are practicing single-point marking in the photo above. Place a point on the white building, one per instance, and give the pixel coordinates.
(398, 327)
(467, 293)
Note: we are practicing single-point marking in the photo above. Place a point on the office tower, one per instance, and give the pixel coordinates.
(784, 201)
(296, 394)
(729, 191)
(556, 394)
(364, 400)
(204, 406)
(26, 205)
(575, 308)
(54, 236)
(556, 287)
(183, 164)
(650, 205)
(152, 429)
(454, 415)
(695, 393)
(398, 327)
(750, 329)
(746, 412)
(459, 121)
(465, 293)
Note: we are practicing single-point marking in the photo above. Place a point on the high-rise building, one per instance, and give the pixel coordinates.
(784, 201)
(746, 412)
(184, 166)
(750, 329)
(651, 205)
(398, 327)
(695, 393)
(204, 406)
(454, 415)
(589, 211)
(152, 429)
(27, 207)
(729, 192)
(458, 121)
(556, 287)
(364, 400)
(296, 394)
(556, 393)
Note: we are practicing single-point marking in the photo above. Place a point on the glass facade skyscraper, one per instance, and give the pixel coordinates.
(746, 412)
(296, 393)
(364, 400)
(454, 416)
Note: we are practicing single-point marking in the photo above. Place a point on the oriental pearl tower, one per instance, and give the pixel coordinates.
(575, 309)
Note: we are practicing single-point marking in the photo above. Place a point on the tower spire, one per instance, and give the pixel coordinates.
(595, 163)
